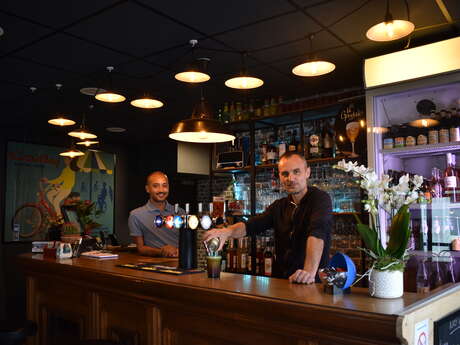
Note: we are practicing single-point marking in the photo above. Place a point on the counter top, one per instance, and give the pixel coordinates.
(273, 289)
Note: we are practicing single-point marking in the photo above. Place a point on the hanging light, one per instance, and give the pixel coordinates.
(82, 133)
(424, 122)
(391, 29)
(60, 120)
(194, 73)
(88, 143)
(72, 152)
(426, 114)
(244, 81)
(110, 95)
(146, 102)
(313, 67)
(201, 127)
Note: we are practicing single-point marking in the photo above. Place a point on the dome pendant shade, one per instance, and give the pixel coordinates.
(201, 127)
(192, 76)
(313, 68)
(82, 134)
(61, 121)
(72, 153)
(147, 103)
(244, 82)
(390, 30)
(110, 97)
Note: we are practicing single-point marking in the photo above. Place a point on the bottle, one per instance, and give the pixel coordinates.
(230, 255)
(259, 257)
(268, 260)
(454, 130)
(273, 106)
(271, 151)
(263, 151)
(281, 144)
(242, 255)
(232, 112)
(314, 142)
(327, 140)
(293, 143)
(224, 255)
(249, 257)
(451, 183)
(225, 114)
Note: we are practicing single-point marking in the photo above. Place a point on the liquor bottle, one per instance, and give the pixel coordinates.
(224, 255)
(249, 257)
(268, 260)
(225, 113)
(263, 150)
(315, 142)
(454, 130)
(242, 255)
(236, 256)
(271, 153)
(259, 257)
(230, 255)
(451, 183)
(281, 143)
(327, 140)
(293, 143)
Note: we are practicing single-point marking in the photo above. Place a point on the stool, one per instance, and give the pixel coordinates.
(10, 335)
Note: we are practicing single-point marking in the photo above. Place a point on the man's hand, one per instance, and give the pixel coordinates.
(223, 234)
(302, 277)
(169, 251)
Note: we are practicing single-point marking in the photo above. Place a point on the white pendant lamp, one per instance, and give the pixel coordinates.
(391, 29)
(110, 95)
(313, 67)
(244, 81)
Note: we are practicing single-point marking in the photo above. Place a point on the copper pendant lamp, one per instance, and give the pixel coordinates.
(201, 127)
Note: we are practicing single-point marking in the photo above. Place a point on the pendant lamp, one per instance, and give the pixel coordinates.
(146, 102)
(201, 127)
(72, 152)
(82, 133)
(391, 29)
(60, 120)
(195, 72)
(109, 95)
(244, 81)
(426, 114)
(313, 67)
(88, 142)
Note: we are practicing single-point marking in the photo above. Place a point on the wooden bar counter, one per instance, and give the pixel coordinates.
(90, 299)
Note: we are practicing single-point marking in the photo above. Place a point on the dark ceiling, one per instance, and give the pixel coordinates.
(71, 42)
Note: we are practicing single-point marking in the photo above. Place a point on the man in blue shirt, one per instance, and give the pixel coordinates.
(151, 240)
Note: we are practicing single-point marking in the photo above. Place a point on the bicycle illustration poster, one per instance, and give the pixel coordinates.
(39, 181)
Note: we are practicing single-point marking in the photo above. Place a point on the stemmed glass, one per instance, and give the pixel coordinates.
(352, 129)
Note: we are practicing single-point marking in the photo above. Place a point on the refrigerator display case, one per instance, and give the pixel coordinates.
(394, 149)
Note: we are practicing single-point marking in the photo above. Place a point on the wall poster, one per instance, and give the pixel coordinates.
(39, 182)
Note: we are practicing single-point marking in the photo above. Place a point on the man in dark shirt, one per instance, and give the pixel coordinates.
(302, 222)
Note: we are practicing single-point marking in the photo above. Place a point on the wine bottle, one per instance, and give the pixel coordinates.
(271, 153)
(327, 140)
(281, 144)
(451, 183)
(268, 260)
(315, 142)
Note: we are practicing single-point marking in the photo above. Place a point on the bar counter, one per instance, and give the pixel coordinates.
(95, 299)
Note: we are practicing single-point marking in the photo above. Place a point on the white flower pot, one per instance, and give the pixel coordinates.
(386, 284)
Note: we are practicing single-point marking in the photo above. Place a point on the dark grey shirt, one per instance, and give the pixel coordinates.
(141, 223)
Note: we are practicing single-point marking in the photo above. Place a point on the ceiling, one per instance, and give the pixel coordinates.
(71, 42)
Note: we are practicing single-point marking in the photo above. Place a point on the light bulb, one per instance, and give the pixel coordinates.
(424, 123)
(389, 29)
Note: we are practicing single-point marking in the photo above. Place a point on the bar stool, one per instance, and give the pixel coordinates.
(11, 335)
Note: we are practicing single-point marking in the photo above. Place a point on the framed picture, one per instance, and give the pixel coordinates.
(39, 182)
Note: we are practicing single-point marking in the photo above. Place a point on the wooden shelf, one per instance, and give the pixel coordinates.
(309, 161)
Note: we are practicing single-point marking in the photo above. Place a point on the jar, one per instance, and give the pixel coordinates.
(410, 140)
(433, 136)
(399, 142)
(422, 139)
(443, 135)
(454, 133)
(388, 143)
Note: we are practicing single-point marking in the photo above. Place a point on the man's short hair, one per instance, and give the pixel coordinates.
(155, 173)
(289, 154)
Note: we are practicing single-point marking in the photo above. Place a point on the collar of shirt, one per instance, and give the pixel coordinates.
(153, 208)
(304, 198)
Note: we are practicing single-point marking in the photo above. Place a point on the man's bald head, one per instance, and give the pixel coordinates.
(157, 186)
(155, 174)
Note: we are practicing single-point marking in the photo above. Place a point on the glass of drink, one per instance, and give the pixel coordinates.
(352, 129)
(213, 265)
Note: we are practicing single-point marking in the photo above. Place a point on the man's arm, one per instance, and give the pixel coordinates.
(312, 259)
(150, 251)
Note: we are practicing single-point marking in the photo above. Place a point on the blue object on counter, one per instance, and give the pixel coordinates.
(343, 261)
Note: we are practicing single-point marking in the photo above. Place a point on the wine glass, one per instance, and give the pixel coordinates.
(352, 129)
